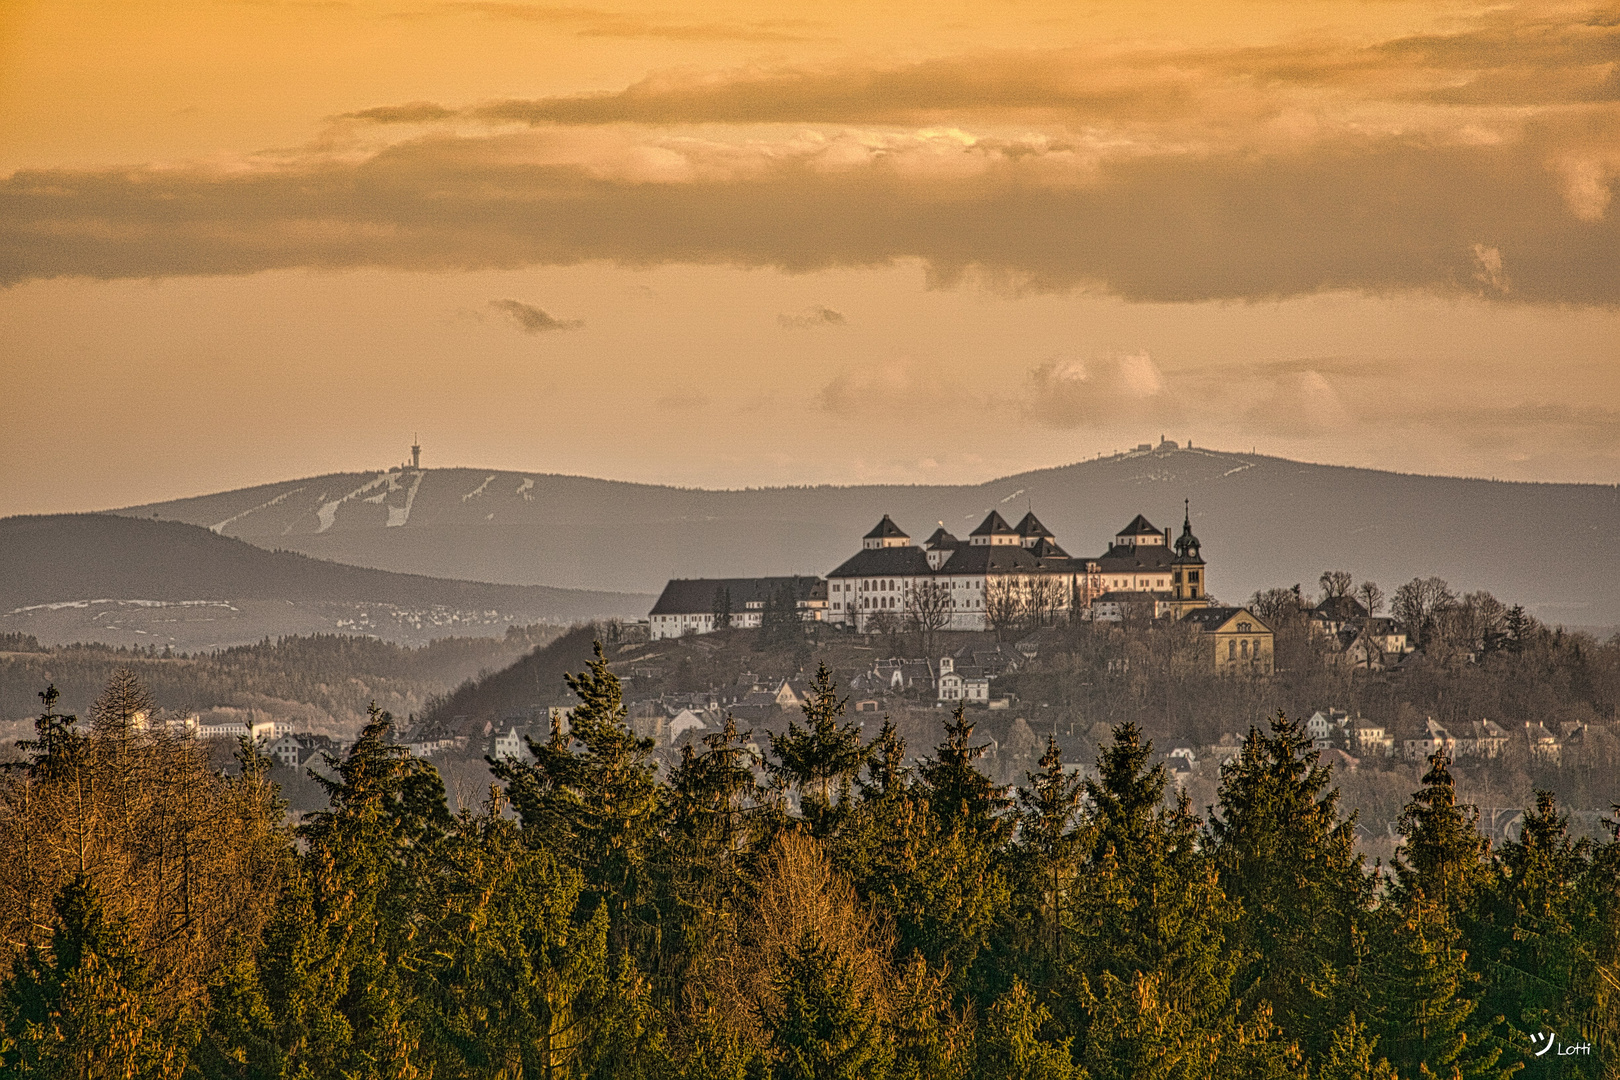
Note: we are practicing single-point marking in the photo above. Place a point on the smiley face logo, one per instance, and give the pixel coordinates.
(1545, 1041)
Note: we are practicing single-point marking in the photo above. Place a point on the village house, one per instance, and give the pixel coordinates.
(1360, 639)
(1480, 738)
(964, 684)
(1328, 729)
(1430, 741)
(1369, 739)
(1473, 738)
(1544, 745)
(507, 742)
(294, 749)
(1357, 736)
(1236, 640)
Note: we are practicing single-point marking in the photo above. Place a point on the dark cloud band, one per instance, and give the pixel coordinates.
(1375, 215)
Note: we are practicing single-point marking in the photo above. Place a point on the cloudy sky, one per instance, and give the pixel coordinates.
(731, 243)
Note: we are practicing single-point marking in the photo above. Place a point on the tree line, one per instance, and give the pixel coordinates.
(815, 904)
(320, 675)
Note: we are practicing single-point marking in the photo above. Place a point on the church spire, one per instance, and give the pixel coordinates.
(1187, 545)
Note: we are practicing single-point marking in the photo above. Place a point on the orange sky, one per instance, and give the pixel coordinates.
(734, 243)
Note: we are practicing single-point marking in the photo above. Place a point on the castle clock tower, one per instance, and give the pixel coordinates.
(1188, 578)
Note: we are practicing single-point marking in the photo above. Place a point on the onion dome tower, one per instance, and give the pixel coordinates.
(1187, 574)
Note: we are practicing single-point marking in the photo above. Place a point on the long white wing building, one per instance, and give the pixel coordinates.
(1017, 573)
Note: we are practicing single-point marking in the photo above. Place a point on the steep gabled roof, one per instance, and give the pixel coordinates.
(1211, 619)
(1047, 548)
(940, 540)
(1139, 526)
(696, 596)
(994, 525)
(877, 562)
(1002, 559)
(1030, 525)
(1341, 609)
(886, 530)
(1136, 558)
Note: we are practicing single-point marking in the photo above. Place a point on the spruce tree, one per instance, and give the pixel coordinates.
(1012, 1044)
(701, 864)
(931, 852)
(823, 752)
(1541, 932)
(1284, 853)
(327, 993)
(1048, 849)
(957, 792)
(821, 1025)
(1136, 1033)
(590, 797)
(1147, 899)
(1422, 995)
(82, 1007)
(510, 974)
(1350, 1055)
(1443, 856)
(932, 1041)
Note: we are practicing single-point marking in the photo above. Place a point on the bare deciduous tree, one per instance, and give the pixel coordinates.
(1276, 606)
(1335, 583)
(1045, 597)
(887, 625)
(1418, 602)
(799, 894)
(927, 611)
(186, 858)
(1003, 603)
(1371, 596)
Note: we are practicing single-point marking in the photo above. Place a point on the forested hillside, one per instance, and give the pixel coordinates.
(828, 912)
(321, 683)
(97, 577)
(1262, 520)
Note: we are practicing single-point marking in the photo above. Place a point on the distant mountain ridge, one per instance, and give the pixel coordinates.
(1263, 521)
(121, 580)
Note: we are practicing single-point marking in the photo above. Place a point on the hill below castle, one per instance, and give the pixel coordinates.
(1264, 521)
(127, 581)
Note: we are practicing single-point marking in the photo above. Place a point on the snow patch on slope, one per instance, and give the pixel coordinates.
(328, 511)
(63, 604)
(479, 490)
(220, 526)
(526, 489)
(399, 515)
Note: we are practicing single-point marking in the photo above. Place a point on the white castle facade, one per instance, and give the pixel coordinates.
(1000, 575)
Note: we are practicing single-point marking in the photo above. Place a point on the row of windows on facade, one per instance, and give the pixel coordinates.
(1232, 649)
(1126, 583)
(870, 603)
(892, 585)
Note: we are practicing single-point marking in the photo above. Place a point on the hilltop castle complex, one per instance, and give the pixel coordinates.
(1000, 574)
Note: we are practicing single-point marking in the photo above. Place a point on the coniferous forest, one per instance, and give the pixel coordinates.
(821, 910)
